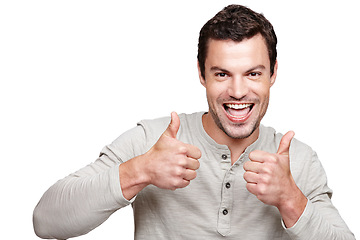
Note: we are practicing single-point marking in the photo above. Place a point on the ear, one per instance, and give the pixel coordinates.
(202, 80)
(273, 77)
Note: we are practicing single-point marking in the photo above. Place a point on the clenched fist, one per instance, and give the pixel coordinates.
(169, 164)
(269, 178)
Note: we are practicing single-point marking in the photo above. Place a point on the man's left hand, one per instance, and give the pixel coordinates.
(269, 178)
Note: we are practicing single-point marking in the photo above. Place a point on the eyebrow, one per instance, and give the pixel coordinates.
(215, 68)
(262, 67)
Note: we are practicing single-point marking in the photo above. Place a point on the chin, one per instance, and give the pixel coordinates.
(239, 131)
(233, 128)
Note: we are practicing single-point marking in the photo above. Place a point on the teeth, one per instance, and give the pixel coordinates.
(238, 106)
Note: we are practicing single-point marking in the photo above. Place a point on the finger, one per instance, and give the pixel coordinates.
(190, 174)
(174, 126)
(252, 188)
(258, 156)
(253, 166)
(192, 164)
(285, 142)
(181, 184)
(251, 177)
(193, 151)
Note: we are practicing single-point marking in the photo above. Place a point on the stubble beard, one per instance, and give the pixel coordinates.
(252, 126)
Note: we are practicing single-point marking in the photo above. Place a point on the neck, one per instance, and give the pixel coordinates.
(236, 146)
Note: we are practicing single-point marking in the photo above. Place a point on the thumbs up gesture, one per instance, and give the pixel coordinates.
(170, 163)
(268, 175)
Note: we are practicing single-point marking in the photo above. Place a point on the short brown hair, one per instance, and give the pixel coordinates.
(237, 23)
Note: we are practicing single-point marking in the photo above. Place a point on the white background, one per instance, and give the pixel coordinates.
(76, 74)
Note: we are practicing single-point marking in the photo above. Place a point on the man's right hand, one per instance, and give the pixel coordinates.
(169, 164)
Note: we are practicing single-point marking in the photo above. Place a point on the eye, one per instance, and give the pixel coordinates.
(254, 75)
(221, 74)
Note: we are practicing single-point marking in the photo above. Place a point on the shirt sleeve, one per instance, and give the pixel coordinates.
(83, 200)
(320, 219)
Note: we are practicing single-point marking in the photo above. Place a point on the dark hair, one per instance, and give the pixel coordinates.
(237, 23)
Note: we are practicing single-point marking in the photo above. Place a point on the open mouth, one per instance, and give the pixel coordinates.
(238, 112)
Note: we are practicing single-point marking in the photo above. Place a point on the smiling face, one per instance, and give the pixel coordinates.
(237, 82)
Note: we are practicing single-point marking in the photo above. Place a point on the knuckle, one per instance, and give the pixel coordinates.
(175, 183)
(267, 170)
(182, 149)
(273, 158)
(179, 171)
(265, 179)
(262, 189)
(182, 162)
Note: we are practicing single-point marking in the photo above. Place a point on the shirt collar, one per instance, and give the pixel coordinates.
(255, 145)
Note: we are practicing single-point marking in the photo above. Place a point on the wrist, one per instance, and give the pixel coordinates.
(292, 208)
(133, 177)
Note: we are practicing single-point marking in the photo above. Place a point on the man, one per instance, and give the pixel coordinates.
(229, 175)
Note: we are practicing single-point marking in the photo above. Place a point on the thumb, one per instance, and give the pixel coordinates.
(174, 126)
(284, 145)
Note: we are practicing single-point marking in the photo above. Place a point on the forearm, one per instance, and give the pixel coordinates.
(77, 204)
(80, 202)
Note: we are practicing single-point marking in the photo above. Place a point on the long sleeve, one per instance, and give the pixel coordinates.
(83, 200)
(320, 219)
(315, 224)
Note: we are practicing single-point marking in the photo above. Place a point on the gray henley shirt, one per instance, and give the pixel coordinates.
(216, 205)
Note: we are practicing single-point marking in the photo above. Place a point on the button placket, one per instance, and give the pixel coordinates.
(225, 161)
(224, 214)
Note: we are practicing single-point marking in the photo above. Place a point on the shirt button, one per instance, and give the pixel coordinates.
(224, 156)
(227, 185)
(225, 211)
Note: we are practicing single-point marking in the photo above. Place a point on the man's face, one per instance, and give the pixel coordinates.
(237, 82)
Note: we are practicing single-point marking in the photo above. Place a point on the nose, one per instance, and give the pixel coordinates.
(238, 88)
